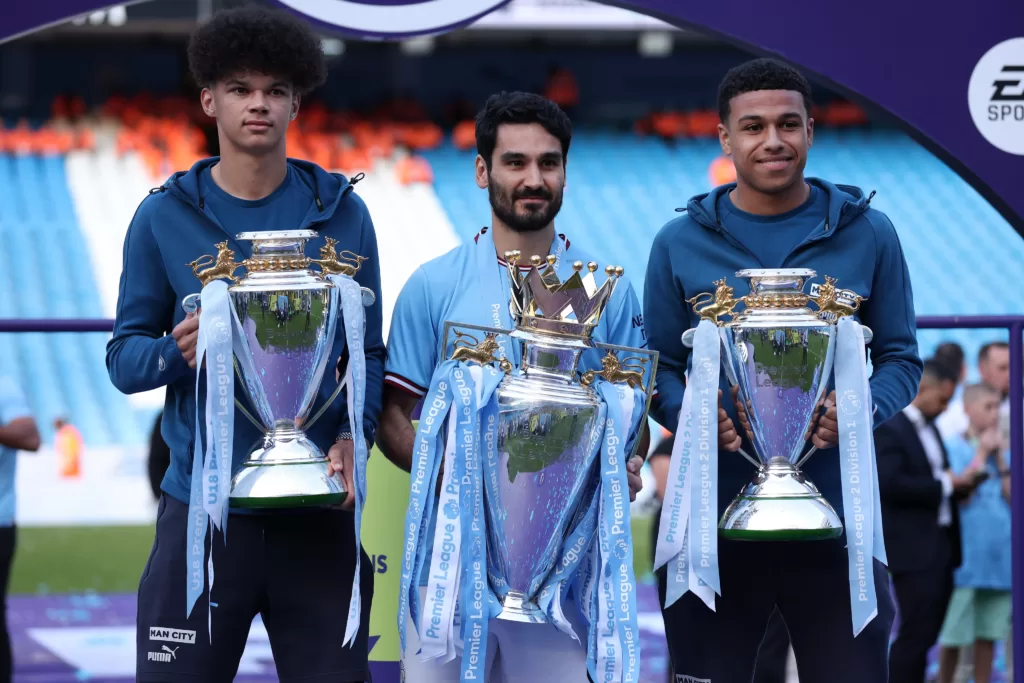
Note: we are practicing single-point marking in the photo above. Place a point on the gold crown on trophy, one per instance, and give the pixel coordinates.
(541, 302)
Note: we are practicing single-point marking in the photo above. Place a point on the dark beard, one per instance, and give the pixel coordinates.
(503, 206)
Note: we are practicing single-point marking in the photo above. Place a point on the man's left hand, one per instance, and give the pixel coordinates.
(636, 484)
(342, 457)
(827, 433)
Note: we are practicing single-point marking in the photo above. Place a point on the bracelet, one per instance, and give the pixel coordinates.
(344, 436)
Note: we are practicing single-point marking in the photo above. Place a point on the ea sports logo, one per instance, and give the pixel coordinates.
(995, 96)
(393, 18)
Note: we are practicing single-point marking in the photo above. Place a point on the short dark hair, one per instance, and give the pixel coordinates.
(520, 107)
(761, 74)
(259, 40)
(950, 353)
(938, 370)
(985, 349)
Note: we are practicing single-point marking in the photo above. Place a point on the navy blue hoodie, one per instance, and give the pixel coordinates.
(854, 243)
(173, 227)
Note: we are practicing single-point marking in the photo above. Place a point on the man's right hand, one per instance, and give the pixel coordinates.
(965, 482)
(728, 438)
(186, 333)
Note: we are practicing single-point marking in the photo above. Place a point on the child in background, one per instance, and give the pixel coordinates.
(68, 444)
(979, 611)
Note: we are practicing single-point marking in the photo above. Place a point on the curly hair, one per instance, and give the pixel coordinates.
(259, 40)
(761, 74)
(519, 107)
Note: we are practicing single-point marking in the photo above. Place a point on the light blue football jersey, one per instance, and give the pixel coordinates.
(469, 284)
(12, 406)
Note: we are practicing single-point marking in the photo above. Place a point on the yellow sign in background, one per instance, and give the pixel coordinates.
(387, 497)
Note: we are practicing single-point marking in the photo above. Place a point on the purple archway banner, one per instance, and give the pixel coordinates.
(951, 72)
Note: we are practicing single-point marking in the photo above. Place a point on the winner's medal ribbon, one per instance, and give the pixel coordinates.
(688, 532)
(861, 500)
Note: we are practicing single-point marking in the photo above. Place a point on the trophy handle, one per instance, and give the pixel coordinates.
(220, 267)
(713, 306)
(616, 371)
(469, 348)
(834, 303)
(333, 263)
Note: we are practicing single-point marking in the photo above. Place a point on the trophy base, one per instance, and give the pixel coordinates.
(781, 504)
(290, 471)
(516, 607)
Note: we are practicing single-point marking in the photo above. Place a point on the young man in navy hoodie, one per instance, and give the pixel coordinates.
(773, 217)
(293, 567)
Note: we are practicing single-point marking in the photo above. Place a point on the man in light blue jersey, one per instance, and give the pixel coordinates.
(522, 143)
(18, 432)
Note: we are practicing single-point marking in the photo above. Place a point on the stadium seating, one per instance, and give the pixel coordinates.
(65, 205)
(45, 262)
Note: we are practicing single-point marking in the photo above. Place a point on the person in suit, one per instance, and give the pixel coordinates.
(919, 493)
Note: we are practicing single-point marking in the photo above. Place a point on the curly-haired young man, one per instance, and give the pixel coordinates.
(294, 567)
(774, 217)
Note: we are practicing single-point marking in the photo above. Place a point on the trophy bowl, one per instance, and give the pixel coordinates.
(777, 355)
(549, 433)
(550, 422)
(284, 316)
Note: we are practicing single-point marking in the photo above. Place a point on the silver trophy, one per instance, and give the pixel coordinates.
(549, 430)
(286, 315)
(777, 355)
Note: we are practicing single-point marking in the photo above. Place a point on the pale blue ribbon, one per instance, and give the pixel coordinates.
(477, 603)
(861, 499)
(688, 533)
(423, 481)
(613, 652)
(435, 628)
(211, 466)
(351, 296)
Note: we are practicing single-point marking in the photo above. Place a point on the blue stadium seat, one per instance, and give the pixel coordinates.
(45, 260)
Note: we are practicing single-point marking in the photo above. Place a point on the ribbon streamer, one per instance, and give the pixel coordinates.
(688, 532)
(861, 500)
(351, 296)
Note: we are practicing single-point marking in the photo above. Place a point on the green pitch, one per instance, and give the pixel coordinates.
(111, 559)
(79, 559)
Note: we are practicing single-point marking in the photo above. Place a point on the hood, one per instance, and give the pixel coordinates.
(328, 188)
(845, 202)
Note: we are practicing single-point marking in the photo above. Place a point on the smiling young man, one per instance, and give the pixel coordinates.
(523, 144)
(294, 567)
(773, 217)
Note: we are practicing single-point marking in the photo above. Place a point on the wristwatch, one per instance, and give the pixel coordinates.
(347, 436)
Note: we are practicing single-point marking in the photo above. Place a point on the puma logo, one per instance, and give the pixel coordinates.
(166, 654)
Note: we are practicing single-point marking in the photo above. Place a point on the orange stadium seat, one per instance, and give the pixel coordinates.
(669, 124)
(353, 160)
(844, 114)
(413, 169)
(702, 124)
(464, 135)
